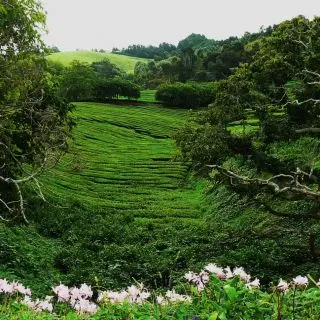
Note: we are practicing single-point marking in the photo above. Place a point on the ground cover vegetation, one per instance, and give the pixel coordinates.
(114, 217)
(122, 205)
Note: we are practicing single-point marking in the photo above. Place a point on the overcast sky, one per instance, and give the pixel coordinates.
(105, 24)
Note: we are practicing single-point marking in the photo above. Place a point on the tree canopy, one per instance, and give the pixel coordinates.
(34, 121)
(260, 138)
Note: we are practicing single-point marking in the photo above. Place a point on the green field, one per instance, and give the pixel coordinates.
(125, 63)
(146, 96)
(121, 206)
(123, 160)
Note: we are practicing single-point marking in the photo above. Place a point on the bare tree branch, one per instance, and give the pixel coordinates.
(291, 183)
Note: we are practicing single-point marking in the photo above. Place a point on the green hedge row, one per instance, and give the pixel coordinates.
(185, 95)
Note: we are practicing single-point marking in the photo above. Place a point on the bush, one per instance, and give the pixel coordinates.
(185, 95)
(111, 89)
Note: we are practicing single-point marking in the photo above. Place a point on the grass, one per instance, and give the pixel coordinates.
(125, 63)
(123, 160)
(147, 96)
(125, 206)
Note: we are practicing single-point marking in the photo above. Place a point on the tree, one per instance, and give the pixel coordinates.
(113, 88)
(34, 122)
(270, 164)
(106, 70)
(78, 81)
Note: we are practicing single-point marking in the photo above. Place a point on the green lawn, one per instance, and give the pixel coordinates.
(126, 63)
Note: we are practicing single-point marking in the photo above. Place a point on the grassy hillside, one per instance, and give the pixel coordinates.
(124, 207)
(123, 161)
(126, 63)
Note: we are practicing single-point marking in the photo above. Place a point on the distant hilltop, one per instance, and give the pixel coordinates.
(125, 63)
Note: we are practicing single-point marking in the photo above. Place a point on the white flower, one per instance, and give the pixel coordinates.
(219, 272)
(62, 292)
(300, 281)
(190, 276)
(242, 274)
(161, 300)
(172, 296)
(318, 283)
(282, 286)
(85, 291)
(84, 306)
(228, 272)
(255, 284)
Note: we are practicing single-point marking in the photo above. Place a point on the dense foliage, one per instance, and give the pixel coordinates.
(111, 89)
(34, 121)
(261, 136)
(163, 51)
(198, 59)
(185, 95)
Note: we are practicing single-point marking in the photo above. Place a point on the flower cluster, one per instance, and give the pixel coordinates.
(226, 273)
(139, 295)
(222, 273)
(79, 298)
(38, 305)
(13, 287)
(173, 297)
(133, 294)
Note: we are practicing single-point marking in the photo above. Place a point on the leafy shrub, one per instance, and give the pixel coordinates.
(185, 95)
(110, 89)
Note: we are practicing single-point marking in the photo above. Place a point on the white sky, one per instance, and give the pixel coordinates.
(104, 24)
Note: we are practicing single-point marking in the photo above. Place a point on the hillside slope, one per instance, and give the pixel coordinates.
(124, 207)
(123, 160)
(125, 63)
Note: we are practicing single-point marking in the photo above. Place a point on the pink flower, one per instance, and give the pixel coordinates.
(255, 284)
(62, 292)
(85, 291)
(219, 272)
(190, 276)
(38, 305)
(6, 287)
(242, 274)
(300, 281)
(282, 286)
(84, 306)
(74, 295)
(228, 272)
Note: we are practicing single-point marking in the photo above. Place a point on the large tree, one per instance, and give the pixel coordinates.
(261, 138)
(34, 121)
